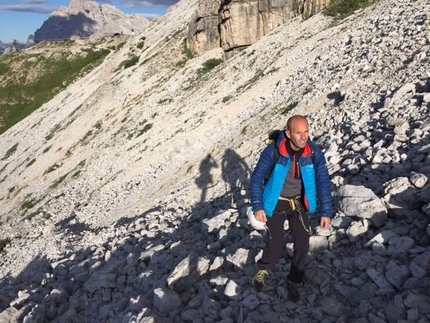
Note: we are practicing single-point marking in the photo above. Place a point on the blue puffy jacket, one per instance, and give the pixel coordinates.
(315, 177)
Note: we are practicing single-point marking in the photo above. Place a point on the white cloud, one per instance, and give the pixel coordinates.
(153, 3)
(28, 8)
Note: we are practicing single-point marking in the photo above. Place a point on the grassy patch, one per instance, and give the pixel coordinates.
(29, 203)
(31, 162)
(35, 79)
(226, 98)
(59, 181)
(129, 62)
(209, 65)
(165, 100)
(46, 149)
(52, 132)
(187, 53)
(91, 134)
(52, 168)
(289, 107)
(340, 9)
(144, 129)
(250, 82)
(10, 152)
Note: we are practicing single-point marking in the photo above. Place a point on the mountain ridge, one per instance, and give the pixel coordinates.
(85, 18)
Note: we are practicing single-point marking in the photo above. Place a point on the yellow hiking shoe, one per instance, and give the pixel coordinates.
(258, 280)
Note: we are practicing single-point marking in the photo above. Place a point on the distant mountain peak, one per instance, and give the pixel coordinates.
(84, 19)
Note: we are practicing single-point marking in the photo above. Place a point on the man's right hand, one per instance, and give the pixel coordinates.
(260, 216)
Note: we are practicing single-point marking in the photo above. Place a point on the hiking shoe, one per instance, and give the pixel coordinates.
(293, 291)
(258, 280)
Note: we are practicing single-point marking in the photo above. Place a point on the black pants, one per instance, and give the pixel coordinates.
(275, 240)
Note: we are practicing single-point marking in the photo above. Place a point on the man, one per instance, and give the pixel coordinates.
(298, 180)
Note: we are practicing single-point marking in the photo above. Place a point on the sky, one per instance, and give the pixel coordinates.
(21, 18)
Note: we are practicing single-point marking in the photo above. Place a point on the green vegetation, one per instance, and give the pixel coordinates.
(188, 54)
(226, 98)
(91, 133)
(141, 43)
(209, 65)
(129, 62)
(165, 100)
(289, 107)
(30, 203)
(258, 74)
(46, 149)
(31, 79)
(59, 181)
(340, 9)
(52, 168)
(144, 129)
(10, 152)
(98, 125)
(31, 163)
(53, 131)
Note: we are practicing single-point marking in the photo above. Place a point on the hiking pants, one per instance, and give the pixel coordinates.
(275, 240)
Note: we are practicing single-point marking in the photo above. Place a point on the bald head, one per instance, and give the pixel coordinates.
(295, 119)
(297, 131)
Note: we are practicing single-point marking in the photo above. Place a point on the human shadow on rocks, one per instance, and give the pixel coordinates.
(205, 179)
(235, 171)
(125, 221)
(169, 259)
(198, 250)
(336, 97)
(73, 226)
(29, 278)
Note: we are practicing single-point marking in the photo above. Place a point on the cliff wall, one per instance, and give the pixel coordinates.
(232, 24)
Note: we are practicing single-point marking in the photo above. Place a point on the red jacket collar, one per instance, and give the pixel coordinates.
(283, 151)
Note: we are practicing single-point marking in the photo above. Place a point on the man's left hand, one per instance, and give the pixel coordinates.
(325, 222)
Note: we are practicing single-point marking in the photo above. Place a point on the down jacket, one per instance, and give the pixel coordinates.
(315, 178)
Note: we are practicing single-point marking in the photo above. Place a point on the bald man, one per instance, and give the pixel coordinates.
(299, 185)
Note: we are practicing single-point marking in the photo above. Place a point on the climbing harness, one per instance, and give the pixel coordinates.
(297, 206)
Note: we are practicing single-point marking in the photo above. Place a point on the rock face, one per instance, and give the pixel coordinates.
(83, 19)
(3, 46)
(237, 23)
(15, 45)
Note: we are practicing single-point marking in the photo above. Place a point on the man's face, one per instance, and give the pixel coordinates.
(298, 134)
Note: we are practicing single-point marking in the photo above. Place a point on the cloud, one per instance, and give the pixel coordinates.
(151, 3)
(28, 8)
(35, 1)
(150, 16)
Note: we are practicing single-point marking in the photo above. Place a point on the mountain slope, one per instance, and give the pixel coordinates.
(132, 165)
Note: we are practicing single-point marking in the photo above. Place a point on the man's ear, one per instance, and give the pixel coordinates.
(288, 134)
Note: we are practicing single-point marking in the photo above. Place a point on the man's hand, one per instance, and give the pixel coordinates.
(325, 222)
(260, 215)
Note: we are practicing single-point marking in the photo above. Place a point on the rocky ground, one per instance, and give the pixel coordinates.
(185, 251)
